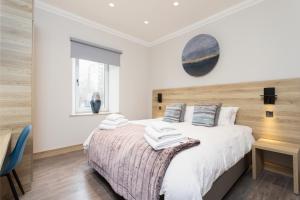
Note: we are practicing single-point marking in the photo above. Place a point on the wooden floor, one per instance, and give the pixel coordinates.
(68, 177)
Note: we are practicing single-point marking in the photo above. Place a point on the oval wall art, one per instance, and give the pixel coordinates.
(200, 55)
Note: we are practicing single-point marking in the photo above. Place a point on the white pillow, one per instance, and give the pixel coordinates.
(227, 116)
(189, 112)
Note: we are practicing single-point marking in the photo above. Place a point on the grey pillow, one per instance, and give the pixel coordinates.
(218, 113)
(183, 108)
(205, 115)
(172, 114)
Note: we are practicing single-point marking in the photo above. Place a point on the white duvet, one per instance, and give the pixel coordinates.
(192, 172)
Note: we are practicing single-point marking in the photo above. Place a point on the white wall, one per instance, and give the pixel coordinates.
(53, 125)
(258, 43)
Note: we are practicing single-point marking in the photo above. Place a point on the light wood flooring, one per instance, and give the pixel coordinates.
(68, 177)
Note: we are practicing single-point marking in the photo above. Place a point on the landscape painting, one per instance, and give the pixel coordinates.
(200, 55)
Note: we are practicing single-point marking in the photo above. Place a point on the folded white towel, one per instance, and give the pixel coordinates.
(161, 126)
(157, 136)
(114, 117)
(115, 122)
(166, 143)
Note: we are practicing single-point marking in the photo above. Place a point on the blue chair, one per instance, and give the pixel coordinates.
(13, 159)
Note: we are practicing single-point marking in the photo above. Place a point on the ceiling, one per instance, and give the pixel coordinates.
(128, 16)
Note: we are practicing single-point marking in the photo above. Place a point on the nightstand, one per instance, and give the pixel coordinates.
(278, 147)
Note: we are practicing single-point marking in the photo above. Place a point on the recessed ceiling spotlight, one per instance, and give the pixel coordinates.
(146, 22)
(111, 5)
(176, 3)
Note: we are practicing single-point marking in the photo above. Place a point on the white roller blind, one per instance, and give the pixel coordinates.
(92, 52)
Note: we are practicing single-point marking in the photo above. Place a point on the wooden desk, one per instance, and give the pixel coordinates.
(5, 135)
(278, 147)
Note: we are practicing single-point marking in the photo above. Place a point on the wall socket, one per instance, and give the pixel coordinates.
(269, 114)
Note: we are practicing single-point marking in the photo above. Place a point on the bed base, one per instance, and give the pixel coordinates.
(225, 182)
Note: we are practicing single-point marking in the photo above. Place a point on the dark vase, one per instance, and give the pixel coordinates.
(95, 105)
(95, 102)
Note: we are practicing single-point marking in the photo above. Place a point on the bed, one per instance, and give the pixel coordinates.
(213, 166)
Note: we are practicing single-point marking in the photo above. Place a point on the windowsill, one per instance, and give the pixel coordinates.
(91, 114)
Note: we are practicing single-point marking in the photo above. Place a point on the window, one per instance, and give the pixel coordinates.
(90, 77)
(93, 73)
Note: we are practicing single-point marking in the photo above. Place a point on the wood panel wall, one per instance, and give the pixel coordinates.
(285, 125)
(15, 78)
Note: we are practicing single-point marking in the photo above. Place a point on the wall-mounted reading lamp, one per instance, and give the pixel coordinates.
(269, 98)
(159, 99)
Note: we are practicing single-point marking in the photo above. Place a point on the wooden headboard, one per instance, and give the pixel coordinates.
(285, 125)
